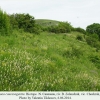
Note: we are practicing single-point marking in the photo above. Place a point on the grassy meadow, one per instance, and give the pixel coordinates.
(48, 62)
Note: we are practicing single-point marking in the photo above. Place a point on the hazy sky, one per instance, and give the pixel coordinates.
(79, 13)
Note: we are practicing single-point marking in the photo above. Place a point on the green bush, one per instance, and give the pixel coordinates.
(94, 36)
(93, 29)
(25, 22)
(74, 52)
(95, 60)
(79, 37)
(62, 27)
(64, 36)
(93, 42)
(5, 28)
(80, 30)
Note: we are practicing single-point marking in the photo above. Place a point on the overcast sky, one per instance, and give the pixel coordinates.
(79, 13)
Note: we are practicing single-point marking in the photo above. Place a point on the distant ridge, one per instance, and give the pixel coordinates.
(46, 22)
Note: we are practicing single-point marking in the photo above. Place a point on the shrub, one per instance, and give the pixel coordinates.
(25, 22)
(79, 37)
(62, 27)
(94, 36)
(95, 60)
(37, 29)
(90, 41)
(93, 42)
(74, 52)
(94, 28)
(80, 30)
(64, 36)
(5, 28)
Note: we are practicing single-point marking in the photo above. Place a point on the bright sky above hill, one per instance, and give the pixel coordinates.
(79, 13)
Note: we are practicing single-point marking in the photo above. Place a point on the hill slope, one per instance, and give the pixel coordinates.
(47, 62)
(46, 22)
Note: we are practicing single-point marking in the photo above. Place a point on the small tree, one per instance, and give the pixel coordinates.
(5, 28)
(81, 30)
(93, 29)
(23, 21)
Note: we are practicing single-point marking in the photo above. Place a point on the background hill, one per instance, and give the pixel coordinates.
(46, 22)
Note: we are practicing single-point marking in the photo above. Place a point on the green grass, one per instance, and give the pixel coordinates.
(46, 22)
(53, 62)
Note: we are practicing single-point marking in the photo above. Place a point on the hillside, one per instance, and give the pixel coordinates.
(46, 22)
(56, 62)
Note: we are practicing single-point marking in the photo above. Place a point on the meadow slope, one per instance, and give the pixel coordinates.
(53, 62)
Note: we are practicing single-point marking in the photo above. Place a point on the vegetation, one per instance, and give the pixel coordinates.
(80, 30)
(62, 27)
(68, 61)
(46, 22)
(94, 29)
(5, 28)
(93, 42)
(79, 37)
(33, 62)
(24, 21)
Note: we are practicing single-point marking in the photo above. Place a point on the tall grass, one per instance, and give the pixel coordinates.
(42, 62)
